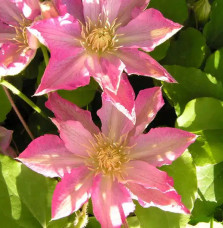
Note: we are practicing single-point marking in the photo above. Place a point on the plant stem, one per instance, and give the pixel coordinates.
(212, 223)
(45, 54)
(82, 217)
(18, 113)
(22, 96)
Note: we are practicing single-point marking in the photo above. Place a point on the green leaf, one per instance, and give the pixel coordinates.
(81, 96)
(93, 223)
(188, 50)
(210, 182)
(208, 147)
(175, 10)
(214, 65)
(213, 30)
(25, 196)
(4, 104)
(185, 182)
(160, 51)
(201, 114)
(192, 83)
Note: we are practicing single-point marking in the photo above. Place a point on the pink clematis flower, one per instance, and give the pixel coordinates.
(101, 38)
(17, 45)
(112, 166)
(5, 139)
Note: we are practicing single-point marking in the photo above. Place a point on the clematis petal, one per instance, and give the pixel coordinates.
(7, 33)
(92, 9)
(123, 100)
(106, 70)
(76, 138)
(9, 13)
(73, 7)
(30, 8)
(167, 201)
(154, 29)
(48, 156)
(58, 33)
(141, 172)
(161, 146)
(111, 202)
(114, 123)
(148, 103)
(13, 59)
(128, 10)
(65, 110)
(145, 65)
(72, 192)
(65, 72)
(5, 138)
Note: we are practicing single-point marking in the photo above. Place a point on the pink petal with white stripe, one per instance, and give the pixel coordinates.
(138, 62)
(111, 202)
(65, 110)
(167, 201)
(147, 104)
(92, 9)
(141, 172)
(154, 29)
(58, 33)
(48, 156)
(76, 138)
(65, 72)
(123, 100)
(114, 123)
(7, 33)
(73, 7)
(161, 146)
(106, 71)
(71, 193)
(13, 59)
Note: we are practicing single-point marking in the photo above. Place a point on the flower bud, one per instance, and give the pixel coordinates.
(202, 9)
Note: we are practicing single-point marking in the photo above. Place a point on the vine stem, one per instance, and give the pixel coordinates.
(82, 217)
(45, 54)
(18, 113)
(23, 97)
(212, 223)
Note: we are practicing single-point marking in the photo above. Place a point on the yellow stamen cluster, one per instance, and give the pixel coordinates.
(108, 157)
(21, 33)
(99, 37)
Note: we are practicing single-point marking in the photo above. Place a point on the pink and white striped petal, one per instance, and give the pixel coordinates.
(138, 62)
(106, 70)
(161, 146)
(76, 138)
(147, 104)
(65, 72)
(73, 7)
(111, 202)
(141, 172)
(154, 29)
(65, 110)
(58, 33)
(13, 59)
(7, 33)
(48, 156)
(167, 201)
(72, 192)
(123, 100)
(114, 123)
(92, 9)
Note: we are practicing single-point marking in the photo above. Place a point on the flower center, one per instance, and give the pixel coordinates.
(108, 157)
(99, 37)
(21, 33)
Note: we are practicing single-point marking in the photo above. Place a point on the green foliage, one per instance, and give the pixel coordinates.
(5, 105)
(188, 50)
